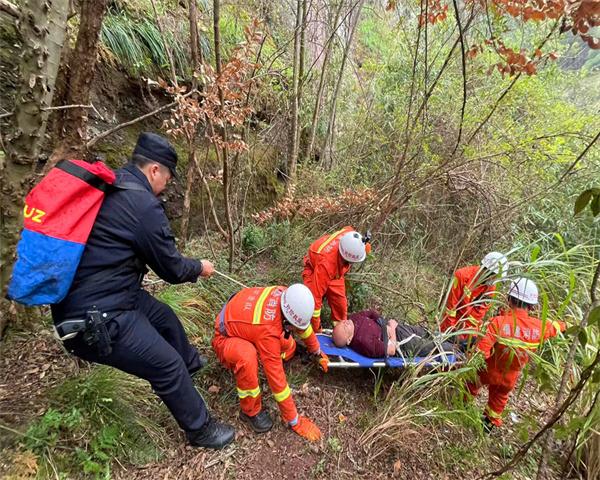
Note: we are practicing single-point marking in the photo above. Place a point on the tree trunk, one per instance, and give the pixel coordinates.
(321, 87)
(196, 53)
(293, 145)
(192, 158)
(82, 65)
(187, 198)
(302, 62)
(326, 159)
(224, 152)
(42, 29)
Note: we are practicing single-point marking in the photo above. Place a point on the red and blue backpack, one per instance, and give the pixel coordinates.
(59, 214)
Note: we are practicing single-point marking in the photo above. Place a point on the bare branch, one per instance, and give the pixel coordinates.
(551, 187)
(508, 89)
(102, 135)
(464, 73)
(46, 109)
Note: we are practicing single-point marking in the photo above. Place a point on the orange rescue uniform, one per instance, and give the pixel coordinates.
(323, 274)
(468, 301)
(507, 344)
(249, 327)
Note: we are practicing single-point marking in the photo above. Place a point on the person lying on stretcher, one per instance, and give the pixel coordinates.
(366, 332)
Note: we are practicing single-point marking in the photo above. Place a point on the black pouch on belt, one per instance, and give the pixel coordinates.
(96, 334)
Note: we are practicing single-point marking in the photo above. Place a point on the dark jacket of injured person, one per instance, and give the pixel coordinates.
(367, 333)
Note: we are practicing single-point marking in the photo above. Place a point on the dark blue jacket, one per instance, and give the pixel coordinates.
(131, 232)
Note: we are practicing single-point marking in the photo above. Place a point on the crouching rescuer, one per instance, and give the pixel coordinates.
(251, 327)
(108, 318)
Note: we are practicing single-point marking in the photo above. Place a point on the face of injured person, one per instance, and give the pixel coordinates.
(342, 333)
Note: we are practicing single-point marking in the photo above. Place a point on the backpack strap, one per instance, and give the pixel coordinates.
(130, 186)
(81, 173)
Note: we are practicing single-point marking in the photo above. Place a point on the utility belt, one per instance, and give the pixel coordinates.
(93, 328)
(222, 329)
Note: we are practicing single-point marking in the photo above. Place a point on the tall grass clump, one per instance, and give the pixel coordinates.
(136, 44)
(98, 417)
(563, 274)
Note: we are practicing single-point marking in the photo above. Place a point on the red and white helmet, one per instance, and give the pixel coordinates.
(525, 290)
(352, 248)
(298, 305)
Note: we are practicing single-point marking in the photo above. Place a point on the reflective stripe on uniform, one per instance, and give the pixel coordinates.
(254, 392)
(513, 342)
(329, 240)
(490, 413)
(306, 333)
(283, 395)
(556, 325)
(317, 313)
(259, 304)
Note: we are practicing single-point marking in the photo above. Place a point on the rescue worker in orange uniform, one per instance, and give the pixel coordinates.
(507, 344)
(249, 328)
(469, 298)
(328, 259)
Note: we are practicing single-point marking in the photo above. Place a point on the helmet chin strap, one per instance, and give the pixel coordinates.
(287, 329)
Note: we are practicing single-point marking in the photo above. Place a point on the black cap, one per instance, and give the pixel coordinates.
(157, 148)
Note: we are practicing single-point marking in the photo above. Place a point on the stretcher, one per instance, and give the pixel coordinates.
(345, 357)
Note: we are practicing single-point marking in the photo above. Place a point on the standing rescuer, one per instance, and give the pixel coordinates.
(472, 289)
(328, 260)
(249, 328)
(507, 344)
(108, 318)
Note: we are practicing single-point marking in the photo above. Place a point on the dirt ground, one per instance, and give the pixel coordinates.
(340, 402)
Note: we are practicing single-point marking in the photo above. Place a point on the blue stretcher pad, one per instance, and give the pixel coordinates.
(347, 358)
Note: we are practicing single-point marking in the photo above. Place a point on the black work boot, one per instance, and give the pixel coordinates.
(213, 434)
(488, 426)
(199, 365)
(260, 423)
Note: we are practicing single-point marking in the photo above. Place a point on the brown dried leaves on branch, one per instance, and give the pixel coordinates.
(290, 207)
(436, 12)
(577, 16)
(232, 85)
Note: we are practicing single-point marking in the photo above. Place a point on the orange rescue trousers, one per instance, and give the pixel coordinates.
(240, 356)
(498, 393)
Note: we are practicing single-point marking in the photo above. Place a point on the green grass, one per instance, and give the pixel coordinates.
(95, 419)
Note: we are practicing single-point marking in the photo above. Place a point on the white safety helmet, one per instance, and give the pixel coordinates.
(352, 247)
(525, 290)
(298, 305)
(496, 262)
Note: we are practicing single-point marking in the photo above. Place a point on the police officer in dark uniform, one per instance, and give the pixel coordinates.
(108, 318)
